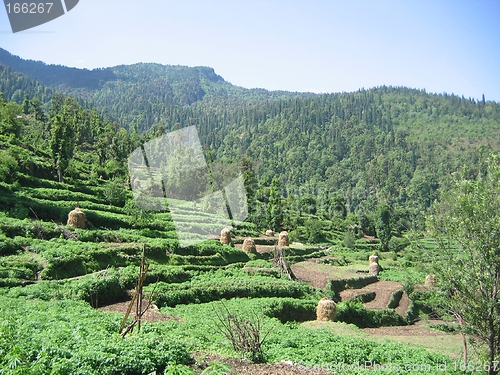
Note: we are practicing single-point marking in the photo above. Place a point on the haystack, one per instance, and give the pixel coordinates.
(249, 245)
(430, 281)
(269, 233)
(76, 218)
(225, 236)
(374, 269)
(283, 239)
(373, 258)
(326, 310)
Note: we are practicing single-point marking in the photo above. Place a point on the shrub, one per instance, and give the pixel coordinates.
(115, 193)
(395, 298)
(398, 244)
(313, 231)
(363, 297)
(355, 313)
(291, 310)
(349, 239)
(356, 282)
(8, 166)
(9, 246)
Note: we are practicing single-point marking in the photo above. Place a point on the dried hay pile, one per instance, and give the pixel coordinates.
(283, 239)
(76, 218)
(326, 310)
(249, 246)
(225, 236)
(374, 269)
(269, 233)
(373, 258)
(430, 281)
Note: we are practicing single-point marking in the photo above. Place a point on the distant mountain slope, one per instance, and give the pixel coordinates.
(57, 76)
(140, 94)
(392, 144)
(14, 86)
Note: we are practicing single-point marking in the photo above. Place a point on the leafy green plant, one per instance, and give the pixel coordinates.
(179, 370)
(349, 239)
(217, 368)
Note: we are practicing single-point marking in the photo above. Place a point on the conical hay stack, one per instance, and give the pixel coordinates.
(374, 269)
(373, 258)
(283, 239)
(249, 245)
(76, 218)
(269, 233)
(225, 236)
(430, 281)
(326, 310)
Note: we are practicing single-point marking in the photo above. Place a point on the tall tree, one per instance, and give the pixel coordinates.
(274, 209)
(62, 144)
(383, 224)
(467, 262)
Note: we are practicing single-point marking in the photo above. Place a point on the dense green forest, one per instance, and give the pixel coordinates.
(346, 174)
(386, 144)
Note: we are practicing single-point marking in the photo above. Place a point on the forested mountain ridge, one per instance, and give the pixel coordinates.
(387, 144)
(139, 95)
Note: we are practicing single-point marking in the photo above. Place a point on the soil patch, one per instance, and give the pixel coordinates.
(151, 315)
(416, 329)
(243, 367)
(383, 292)
(305, 271)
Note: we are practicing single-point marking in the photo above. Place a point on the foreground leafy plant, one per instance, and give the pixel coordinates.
(179, 370)
(69, 337)
(217, 368)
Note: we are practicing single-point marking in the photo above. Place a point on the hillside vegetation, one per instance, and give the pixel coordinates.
(345, 174)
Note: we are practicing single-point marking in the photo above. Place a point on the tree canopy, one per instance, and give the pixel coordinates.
(467, 261)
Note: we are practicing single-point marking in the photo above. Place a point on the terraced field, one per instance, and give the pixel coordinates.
(45, 262)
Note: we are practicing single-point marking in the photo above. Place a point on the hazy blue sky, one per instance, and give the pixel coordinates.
(448, 46)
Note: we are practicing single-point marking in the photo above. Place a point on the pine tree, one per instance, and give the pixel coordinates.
(274, 210)
(62, 145)
(383, 225)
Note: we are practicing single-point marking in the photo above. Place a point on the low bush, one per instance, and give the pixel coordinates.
(363, 297)
(355, 283)
(398, 244)
(68, 258)
(291, 310)
(10, 246)
(225, 284)
(395, 298)
(356, 313)
(13, 227)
